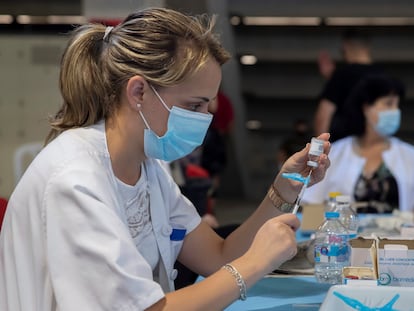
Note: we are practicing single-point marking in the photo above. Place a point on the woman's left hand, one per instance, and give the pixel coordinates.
(289, 189)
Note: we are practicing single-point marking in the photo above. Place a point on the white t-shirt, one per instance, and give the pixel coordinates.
(137, 209)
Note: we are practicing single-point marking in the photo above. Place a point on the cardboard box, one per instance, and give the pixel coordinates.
(359, 276)
(312, 217)
(395, 261)
(392, 259)
(361, 251)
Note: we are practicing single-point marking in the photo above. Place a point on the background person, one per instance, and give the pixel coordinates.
(96, 222)
(329, 114)
(372, 166)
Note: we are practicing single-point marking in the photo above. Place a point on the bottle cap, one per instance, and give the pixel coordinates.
(312, 163)
(343, 199)
(334, 194)
(331, 214)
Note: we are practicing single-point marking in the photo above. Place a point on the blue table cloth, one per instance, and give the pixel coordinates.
(283, 293)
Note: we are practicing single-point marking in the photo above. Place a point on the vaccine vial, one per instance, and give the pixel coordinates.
(316, 149)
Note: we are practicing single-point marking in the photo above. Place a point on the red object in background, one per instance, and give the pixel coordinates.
(224, 116)
(195, 171)
(3, 206)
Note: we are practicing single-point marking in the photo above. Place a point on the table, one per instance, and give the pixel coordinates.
(283, 293)
(287, 292)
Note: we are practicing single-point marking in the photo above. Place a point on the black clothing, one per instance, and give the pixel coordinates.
(214, 156)
(380, 192)
(337, 90)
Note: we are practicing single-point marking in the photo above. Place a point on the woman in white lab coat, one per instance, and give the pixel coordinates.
(96, 223)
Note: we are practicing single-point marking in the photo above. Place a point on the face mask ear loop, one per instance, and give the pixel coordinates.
(159, 97)
(143, 119)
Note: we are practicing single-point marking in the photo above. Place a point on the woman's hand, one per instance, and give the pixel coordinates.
(275, 242)
(288, 188)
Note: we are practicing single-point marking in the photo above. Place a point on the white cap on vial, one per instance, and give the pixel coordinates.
(312, 163)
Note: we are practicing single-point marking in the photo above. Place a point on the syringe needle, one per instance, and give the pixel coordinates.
(300, 195)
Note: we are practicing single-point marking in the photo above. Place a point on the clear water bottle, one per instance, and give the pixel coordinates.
(332, 250)
(330, 205)
(347, 215)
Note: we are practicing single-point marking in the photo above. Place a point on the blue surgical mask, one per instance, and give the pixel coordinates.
(388, 122)
(185, 132)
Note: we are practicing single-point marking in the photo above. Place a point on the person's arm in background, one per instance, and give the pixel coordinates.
(326, 108)
(323, 116)
(326, 64)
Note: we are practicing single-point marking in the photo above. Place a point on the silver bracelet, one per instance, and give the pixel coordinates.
(239, 280)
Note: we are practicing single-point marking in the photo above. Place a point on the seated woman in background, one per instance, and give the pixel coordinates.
(373, 167)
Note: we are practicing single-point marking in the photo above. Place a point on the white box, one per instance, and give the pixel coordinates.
(361, 249)
(395, 261)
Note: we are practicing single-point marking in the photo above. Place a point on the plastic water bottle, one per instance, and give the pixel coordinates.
(330, 205)
(332, 250)
(347, 215)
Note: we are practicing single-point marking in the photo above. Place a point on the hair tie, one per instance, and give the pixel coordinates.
(107, 33)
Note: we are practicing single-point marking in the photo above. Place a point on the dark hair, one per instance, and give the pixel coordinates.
(366, 92)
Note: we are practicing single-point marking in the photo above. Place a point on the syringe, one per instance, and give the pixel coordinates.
(305, 181)
(315, 150)
(301, 193)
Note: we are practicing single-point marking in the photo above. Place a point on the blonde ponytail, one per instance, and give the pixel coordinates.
(161, 45)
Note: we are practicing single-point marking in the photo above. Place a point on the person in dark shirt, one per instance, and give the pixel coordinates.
(358, 63)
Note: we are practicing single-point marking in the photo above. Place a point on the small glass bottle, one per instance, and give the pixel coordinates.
(316, 149)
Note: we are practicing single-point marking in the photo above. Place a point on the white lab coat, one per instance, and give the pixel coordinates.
(65, 243)
(346, 167)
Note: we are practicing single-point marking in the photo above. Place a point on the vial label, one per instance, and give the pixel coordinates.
(316, 147)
